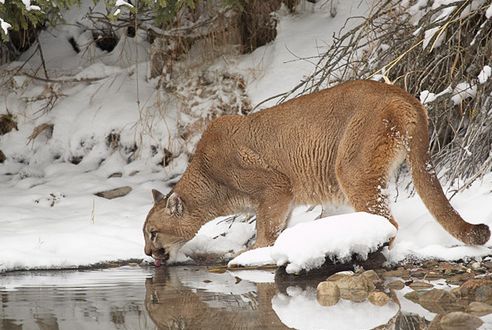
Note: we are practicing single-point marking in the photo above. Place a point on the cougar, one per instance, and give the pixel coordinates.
(337, 145)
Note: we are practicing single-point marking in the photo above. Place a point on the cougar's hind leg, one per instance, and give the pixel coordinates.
(363, 169)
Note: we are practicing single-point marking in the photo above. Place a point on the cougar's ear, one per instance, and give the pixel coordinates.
(158, 196)
(175, 204)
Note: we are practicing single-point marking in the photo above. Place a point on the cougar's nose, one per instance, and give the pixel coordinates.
(148, 251)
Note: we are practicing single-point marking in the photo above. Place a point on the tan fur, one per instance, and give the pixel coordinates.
(336, 145)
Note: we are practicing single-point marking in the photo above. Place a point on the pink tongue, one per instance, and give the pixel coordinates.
(157, 262)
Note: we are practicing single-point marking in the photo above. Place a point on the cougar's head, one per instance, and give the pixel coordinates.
(165, 229)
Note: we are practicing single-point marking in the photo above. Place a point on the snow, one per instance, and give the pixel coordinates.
(5, 26)
(123, 3)
(488, 12)
(292, 56)
(485, 74)
(306, 246)
(463, 91)
(427, 97)
(49, 215)
(29, 7)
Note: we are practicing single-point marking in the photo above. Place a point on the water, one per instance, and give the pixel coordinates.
(176, 298)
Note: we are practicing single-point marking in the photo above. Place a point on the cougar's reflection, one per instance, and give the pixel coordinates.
(180, 298)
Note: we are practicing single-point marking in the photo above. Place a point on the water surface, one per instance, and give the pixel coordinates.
(175, 298)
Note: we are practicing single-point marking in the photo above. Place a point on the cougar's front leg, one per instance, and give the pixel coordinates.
(271, 216)
(268, 189)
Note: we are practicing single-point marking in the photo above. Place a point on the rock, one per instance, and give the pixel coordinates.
(419, 285)
(478, 289)
(413, 296)
(114, 193)
(433, 275)
(7, 123)
(378, 298)
(456, 292)
(460, 320)
(435, 323)
(475, 265)
(400, 272)
(438, 301)
(115, 175)
(355, 288)
(438, 296)
(479, 308)
(396, 285)
(459, 279)
(328, 293)
(2, 157)
(339, 275)
(372, 276)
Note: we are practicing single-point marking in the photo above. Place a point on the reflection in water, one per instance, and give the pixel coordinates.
(102, 299)
(209, 301)
(173, 298)
(299, 309)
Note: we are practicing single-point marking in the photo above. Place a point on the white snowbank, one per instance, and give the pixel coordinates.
(306, 245)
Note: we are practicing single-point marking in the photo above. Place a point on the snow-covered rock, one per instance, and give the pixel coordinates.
(307, 245)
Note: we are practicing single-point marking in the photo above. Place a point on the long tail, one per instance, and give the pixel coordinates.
(430, 190)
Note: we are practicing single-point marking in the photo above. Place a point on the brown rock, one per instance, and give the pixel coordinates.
(439, 301)
(478, 290)
(396, 285)
(437, 295)
(413, 296)
(479, 308)
(456, 292)
(435, 323)
(114, 193)
(328, 293)
(459, 321)
(400, 272)
(378, 298)
(7, 123)
(355, 288)
(2, 157)
(459, 279)
(337, 276)
(372, 276)
(419, 285)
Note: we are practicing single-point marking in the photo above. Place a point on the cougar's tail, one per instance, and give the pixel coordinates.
(430, 190)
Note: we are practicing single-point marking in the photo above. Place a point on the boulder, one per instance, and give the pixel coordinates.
(479, 308)
(478, 289)
(114, 193)
(328, 293)
(378, 298)
(460, 320)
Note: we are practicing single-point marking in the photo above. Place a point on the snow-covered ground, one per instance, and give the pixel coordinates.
(49, 215)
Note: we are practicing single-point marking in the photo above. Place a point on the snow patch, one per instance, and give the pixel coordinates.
(5, 26)
(485, 74)
(307, 245)
(463, 91)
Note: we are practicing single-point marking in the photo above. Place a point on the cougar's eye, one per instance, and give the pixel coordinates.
(153, 235)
